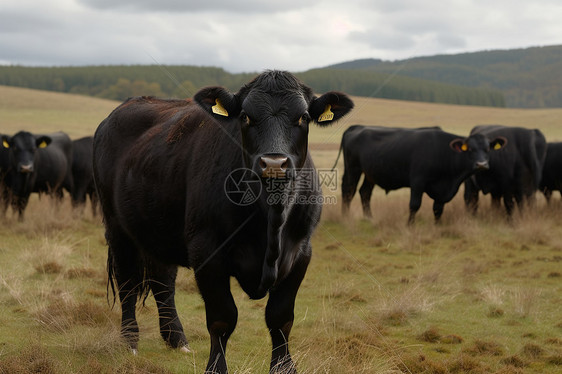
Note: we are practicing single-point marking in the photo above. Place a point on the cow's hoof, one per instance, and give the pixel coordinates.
(185, 349)
(135, 352)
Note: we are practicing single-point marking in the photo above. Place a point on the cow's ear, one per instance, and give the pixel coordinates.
(458, 145)
(218, 101)
(498, 143)
(329, 108)
(6, 141)
(43, 141)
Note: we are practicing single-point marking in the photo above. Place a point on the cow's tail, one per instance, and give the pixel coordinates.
(142, 284)
(339, 153)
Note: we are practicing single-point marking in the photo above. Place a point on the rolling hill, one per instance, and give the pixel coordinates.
(528, 78)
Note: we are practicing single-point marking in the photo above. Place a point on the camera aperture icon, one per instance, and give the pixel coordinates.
(243, 186)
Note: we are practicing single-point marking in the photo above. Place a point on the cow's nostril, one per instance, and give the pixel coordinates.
(273, 166)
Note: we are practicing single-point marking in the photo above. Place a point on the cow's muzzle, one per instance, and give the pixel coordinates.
(274, 166)
(26, 168)
(482, 165)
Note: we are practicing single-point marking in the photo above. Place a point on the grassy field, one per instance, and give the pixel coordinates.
(472, 295)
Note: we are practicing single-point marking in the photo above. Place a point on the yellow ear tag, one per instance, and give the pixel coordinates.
(327, 115)
(5, 144)
(43, 144)
(464, 147)
(219, 109)
(497, 146)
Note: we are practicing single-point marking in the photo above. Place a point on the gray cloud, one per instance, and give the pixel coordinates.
(242, 6)
(255, 35)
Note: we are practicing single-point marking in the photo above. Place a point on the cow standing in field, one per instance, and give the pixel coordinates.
(38, 163)
(552, 170)
(515, 171)
(427, 160)
(161, 167)
(4, 168)
(82, 173)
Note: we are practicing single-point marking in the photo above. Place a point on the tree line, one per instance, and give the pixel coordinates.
(528, 78)
(121, 81)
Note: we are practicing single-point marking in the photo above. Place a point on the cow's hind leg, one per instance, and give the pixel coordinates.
(126, 267)
(366, 191)
(349, 187)
(162, 280)
(415, 204)
(279, 315)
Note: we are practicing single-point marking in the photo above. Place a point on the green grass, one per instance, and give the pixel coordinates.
(472, 295)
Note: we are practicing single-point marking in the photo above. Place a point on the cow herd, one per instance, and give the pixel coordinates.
(159, 169)
(509, 163)
(46, 163)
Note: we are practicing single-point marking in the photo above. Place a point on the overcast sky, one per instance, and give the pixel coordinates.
(253, 35)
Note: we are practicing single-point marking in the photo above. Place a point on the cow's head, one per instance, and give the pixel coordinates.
(273, 112)
(23, 148)
(478, 147)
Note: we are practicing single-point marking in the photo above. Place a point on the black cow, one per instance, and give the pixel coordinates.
(515, 171)
(161, 168)
(38, 163)
(552, 170)
(427, 160)
(4, 168)
(82, 173)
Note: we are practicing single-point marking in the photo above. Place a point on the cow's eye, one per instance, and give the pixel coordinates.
(305, 119)
(244, 118)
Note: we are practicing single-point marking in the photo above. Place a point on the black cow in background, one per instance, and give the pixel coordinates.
(38, 163)
(160, 168)
(4, 168)
(515, 171)
(427, 160)
(552, 170)
(82, 173)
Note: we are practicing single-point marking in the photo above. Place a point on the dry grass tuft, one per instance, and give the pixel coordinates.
(430, 335)
(509, 369)
(51, 267)
(495, 312)
(396, 309)
(61, 315)
(82, 273)
(34, 359)
(532, 350)
(452, 339)
(555, 359)
(483, 347)
(140, 365)
(525, 300)
(515, 361)
(493, 294)
(465, 364)
(554, 341)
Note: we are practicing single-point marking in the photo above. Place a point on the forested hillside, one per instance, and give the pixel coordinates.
(120, 82)
(528, 78)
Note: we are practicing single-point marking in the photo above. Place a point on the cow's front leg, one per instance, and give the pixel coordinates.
(438, 210)
(222, 315)
(279, 315)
